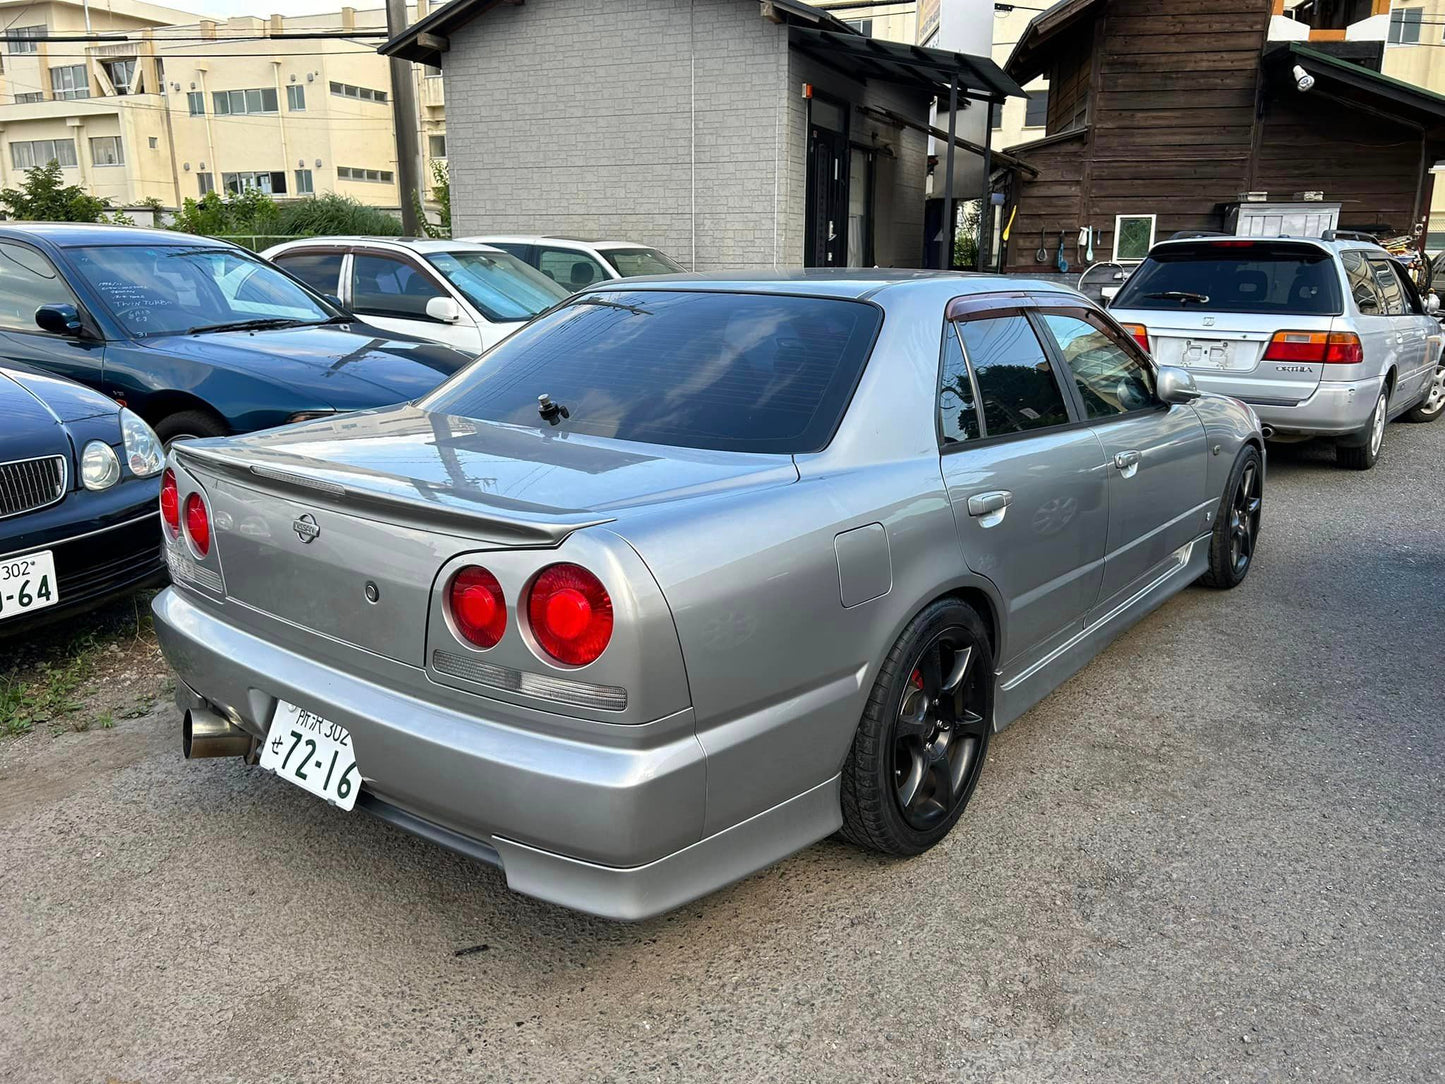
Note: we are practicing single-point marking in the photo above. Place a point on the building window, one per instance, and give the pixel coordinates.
(121, 72)
(33, 153)
(206, 182)
(863, 26)
(365, 94)
(154, 142)
(29, 97)
(273, 184)
(304, 184)
(437, 145)
(1133, 236)
(351, 173)
(1405, 26)
(34, 33)
(106, 151)
(69, 82)
(233, 102)
(296, 99)
(197, 101)
(1036, 112)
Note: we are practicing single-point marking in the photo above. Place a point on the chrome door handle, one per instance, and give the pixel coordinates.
(989, 508)
(1125, 460)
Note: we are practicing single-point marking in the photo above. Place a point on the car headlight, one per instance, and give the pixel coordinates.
(143, 452)
(99, 468)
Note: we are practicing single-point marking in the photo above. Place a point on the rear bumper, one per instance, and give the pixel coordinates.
(1336, 408)
(610, 829)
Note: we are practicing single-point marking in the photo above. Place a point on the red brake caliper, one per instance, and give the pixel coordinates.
(917, 679)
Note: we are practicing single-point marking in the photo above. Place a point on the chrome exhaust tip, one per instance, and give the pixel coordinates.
(1267, 431)
(206, 734)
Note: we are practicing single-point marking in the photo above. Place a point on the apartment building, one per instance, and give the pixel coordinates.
(185, 105)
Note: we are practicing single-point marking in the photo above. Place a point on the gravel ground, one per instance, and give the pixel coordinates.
(1214, 855)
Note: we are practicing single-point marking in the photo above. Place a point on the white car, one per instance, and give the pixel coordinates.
(466, 295)
(575, 263)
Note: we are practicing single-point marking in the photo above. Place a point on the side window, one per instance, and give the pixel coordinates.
(957, 417)
(1363, 287)
(1390, 287)
(1413, 305)
(319, 270)
(386, 286)
(1110, 379)
(1015, 380)
(27, 281)
(518, 250)
(569, 268)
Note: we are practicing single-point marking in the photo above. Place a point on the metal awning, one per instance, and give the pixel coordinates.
(932, 70)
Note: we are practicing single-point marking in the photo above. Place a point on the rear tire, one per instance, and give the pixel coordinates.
(1433, 405)
(188, 425)
(1236, 525)
(1364, 449)
(921, 745)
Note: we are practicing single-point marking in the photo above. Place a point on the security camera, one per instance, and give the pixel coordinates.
(1303, 79)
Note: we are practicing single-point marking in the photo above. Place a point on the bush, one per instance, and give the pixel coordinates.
(332, 214)
(43, 198)
(253, 212)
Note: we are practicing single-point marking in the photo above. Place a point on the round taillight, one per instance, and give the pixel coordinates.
(479, 611)
(570, 614)
(198, 525)
(171, 502)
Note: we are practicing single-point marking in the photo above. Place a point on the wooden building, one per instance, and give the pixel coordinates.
(1163, 113)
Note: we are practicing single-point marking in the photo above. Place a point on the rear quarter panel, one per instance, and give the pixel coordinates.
(779, 669)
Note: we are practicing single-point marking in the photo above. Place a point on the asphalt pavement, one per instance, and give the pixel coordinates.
(1213, 855)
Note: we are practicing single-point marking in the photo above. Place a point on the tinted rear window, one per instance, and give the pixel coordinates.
(1235, 276)
(726, 371)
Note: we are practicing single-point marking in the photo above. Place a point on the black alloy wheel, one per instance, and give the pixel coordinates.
(940, 731)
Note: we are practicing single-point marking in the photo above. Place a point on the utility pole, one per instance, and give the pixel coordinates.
(404, 120)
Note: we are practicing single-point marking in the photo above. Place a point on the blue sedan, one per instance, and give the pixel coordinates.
(198, 337)
(79, 485)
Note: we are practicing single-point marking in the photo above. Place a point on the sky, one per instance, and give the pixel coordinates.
(263, 8)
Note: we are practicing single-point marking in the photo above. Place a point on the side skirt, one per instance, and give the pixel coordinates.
(1018, 692)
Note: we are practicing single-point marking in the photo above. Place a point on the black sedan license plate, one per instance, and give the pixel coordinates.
(27, 583)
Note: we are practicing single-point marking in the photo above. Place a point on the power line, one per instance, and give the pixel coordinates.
(126, 39)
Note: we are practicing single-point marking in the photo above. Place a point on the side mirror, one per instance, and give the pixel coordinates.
(58, 319)
(1432, 303)
(1108, 293)
(1175, 385)
(443, 309)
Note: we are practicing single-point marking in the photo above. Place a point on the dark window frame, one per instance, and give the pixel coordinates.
(1117, 336)
(418, 266)
(320, 250)
(971, 307)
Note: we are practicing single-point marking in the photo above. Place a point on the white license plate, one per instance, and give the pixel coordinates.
(27, 584)
(1210, 354)
(314, 753)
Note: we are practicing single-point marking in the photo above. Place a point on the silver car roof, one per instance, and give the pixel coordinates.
(858, 284)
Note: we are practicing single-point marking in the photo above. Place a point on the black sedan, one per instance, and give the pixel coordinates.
(79, 490)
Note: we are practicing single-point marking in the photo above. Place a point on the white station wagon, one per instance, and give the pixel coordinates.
(466, 295)
(1323, 337)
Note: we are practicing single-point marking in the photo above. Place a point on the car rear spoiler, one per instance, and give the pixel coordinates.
(492, 519)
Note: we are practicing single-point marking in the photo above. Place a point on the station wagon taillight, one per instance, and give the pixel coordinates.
(171, 503)
(479, 611)
(1316, 347)
(570, 614)
(198, 524)
(1140, 334)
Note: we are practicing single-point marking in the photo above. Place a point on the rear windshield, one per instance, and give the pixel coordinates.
(631, 262)
(725, 371)
(1235, 276)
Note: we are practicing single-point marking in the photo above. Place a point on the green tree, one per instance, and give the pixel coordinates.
(45, 197)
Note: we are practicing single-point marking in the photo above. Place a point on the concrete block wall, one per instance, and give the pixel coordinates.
(595, 117)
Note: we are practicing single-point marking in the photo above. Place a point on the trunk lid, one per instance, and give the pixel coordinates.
(305, 517)
(1224, 351)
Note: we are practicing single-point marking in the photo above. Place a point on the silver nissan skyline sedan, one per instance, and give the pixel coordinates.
(690, 573)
